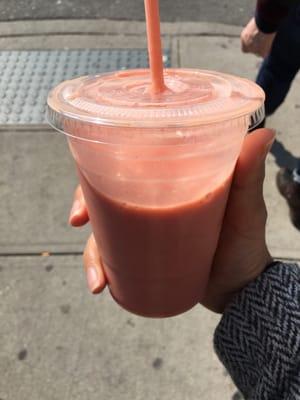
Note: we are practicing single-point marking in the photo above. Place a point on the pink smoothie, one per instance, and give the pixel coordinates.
(157, 259)
(156, 172)
(156, 192)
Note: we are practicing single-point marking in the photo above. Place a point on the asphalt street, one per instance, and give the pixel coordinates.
(234, 12)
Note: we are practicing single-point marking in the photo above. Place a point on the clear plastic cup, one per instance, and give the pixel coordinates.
(156, 172)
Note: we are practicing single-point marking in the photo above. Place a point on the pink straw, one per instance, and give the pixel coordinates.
(154, 46)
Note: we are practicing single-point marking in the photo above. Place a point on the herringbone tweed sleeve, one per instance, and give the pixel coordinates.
(258, 337)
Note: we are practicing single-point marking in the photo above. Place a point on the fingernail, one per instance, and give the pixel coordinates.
(92, 279)
(75, 209)
(268, 147)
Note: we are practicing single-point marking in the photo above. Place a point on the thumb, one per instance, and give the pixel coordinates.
(250, 168)
(246, 196)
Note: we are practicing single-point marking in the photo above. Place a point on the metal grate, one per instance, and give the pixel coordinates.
(27, 76)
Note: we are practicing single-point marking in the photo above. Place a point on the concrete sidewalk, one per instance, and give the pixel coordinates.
(58, 341)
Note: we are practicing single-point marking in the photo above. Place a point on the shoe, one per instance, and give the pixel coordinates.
(290, 190)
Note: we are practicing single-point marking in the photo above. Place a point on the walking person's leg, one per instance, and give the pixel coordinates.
(279, 69)
(275, 77)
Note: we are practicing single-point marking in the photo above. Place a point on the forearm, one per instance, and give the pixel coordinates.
(258, 338)
(270, 13)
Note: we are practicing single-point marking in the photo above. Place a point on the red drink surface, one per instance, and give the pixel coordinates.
(157, 259)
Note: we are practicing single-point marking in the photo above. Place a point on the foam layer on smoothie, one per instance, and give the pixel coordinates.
(125, 98)
(132, 89)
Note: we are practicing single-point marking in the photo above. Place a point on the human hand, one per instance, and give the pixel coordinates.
(256, 42)
(242, 253)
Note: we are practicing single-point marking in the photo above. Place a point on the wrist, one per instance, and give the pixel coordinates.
(220, 293)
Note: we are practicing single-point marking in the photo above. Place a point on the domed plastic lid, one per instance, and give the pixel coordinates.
(192, 97)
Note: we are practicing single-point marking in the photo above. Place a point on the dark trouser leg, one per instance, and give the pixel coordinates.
(280, 67)
(275, 87)
(275, 79)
